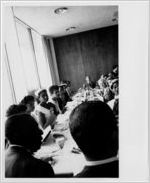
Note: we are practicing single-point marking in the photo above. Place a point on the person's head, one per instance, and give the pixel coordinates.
(28, 101)
(54, 91)
(94, 128)
(115, 87)
(22, 129)
(15, 109)
(68, 83)
(42, 96)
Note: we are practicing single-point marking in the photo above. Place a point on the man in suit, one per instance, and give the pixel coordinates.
(24, 137)
(94, 128)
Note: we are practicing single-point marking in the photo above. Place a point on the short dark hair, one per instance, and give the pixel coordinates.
(53, 88)
(41, 91)
(27, 99)
(22, 129)
(93, 125)
(15, 109)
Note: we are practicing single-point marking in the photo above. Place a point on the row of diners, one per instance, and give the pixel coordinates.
(92, 123)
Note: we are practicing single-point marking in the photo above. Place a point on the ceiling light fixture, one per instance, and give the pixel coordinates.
(61, 10)
(70, 29)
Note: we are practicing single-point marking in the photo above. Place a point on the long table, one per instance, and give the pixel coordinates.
(60, 150)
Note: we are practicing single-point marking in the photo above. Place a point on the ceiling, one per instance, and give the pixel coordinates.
(46, 22)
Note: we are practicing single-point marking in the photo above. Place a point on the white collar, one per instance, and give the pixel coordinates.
(100, 162)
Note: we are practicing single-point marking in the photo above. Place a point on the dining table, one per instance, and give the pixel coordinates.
(59, 148)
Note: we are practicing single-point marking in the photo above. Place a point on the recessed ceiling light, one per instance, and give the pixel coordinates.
(70, 28)
(61, 10)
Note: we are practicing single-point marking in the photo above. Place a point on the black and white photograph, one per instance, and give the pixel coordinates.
(60, 109)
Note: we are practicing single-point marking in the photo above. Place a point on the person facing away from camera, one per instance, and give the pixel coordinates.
(15, 109)
(94, 128)
(12, 110)
(24, 137)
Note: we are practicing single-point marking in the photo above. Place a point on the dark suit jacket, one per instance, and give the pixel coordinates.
(109, 170)
(20, 163)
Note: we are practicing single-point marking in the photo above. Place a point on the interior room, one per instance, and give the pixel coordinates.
(74, 50)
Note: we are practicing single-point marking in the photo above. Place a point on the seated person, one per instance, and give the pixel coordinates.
(12, 110)
(44, 110)
(114, 103)
(28, 101)
(88, 83)
(68, 89)
(24, 139)
(55, 99)
(63, 94)
(94, 129)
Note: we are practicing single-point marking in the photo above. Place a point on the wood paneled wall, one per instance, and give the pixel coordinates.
(89, 53)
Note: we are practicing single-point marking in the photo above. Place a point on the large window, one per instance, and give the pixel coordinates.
(8, 95)
(25, 64)
(42, 60)
(28, 57)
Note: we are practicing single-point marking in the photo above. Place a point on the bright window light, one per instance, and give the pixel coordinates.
(42, 62)
(28, 58)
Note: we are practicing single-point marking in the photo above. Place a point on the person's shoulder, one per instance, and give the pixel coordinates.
(105, 170)
(42, 166)
(40, 162)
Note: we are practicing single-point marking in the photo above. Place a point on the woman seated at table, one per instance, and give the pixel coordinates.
(45, 110)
